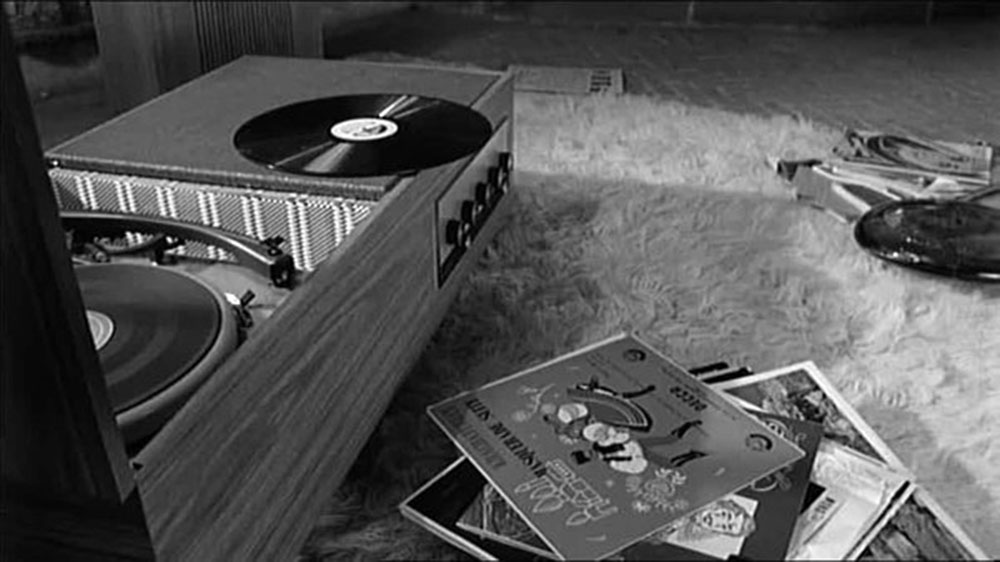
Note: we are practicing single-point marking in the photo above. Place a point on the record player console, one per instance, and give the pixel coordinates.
(380, 238)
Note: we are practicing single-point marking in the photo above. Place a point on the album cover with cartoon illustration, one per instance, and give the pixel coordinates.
(603, 447)
(755, 523)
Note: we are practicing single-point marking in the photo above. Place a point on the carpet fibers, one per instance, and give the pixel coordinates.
(639, 214)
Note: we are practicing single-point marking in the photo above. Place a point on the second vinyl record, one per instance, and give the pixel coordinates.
(952, 238)
(363, 135)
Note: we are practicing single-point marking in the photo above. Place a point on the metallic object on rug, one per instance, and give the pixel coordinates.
(952, 238)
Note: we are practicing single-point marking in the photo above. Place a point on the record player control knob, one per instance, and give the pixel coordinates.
(506, 161)
(457, 232)
(493, 176)
(482, 193)
(483, 198)
(498, 179)
(469, 212)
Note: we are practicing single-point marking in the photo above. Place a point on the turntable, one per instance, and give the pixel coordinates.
(158, 334)
(162, 322)
(380, 183)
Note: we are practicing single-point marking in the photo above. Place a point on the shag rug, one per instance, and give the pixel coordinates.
(639, 214)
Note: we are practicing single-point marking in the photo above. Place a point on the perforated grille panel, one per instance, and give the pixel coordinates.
(312, 226)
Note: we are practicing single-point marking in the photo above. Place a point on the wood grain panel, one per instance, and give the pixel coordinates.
(59, 435)
(243, 470)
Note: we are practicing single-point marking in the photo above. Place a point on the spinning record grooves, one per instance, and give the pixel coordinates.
(158, 334)
(363, 135)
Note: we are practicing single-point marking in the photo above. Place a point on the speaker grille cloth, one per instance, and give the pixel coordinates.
(312, 226)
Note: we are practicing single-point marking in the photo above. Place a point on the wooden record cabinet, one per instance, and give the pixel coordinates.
(244, 469)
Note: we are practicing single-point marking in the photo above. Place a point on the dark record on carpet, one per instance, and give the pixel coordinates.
(953, 238)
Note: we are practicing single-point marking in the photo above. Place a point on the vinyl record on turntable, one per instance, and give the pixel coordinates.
(363, 135)
(159, 333)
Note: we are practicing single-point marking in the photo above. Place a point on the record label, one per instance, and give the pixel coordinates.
(102, 327)
(364, 129)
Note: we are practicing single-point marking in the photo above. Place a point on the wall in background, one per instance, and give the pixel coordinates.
(349, 11)
(815, 13)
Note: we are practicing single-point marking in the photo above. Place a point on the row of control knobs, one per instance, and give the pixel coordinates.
(473, 213)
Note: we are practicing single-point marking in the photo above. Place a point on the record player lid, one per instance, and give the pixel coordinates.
(186, 134)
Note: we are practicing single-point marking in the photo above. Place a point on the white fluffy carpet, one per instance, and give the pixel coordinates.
(634, 213)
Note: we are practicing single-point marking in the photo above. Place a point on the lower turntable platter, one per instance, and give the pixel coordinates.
(159, 333)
